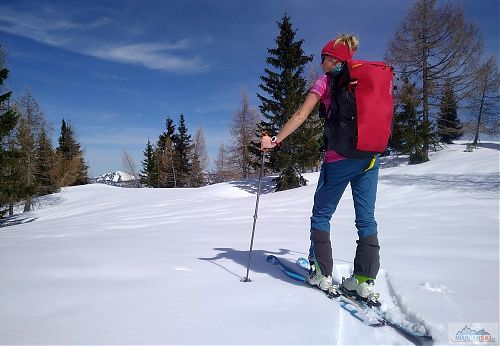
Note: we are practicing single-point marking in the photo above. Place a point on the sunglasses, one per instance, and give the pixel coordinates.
(323, 58)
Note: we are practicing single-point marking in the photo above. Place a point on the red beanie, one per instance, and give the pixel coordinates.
(340, 51)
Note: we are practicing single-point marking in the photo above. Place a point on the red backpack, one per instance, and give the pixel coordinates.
(359, 121)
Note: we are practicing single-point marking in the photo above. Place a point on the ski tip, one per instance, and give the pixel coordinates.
(303, 263)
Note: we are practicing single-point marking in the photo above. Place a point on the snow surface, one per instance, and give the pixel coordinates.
(106, 265)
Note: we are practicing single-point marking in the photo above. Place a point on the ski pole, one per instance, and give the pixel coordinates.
(246, 279)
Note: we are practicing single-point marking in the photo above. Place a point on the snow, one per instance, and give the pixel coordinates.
(106, 265)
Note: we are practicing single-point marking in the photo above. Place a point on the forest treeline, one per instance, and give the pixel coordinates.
(441, 69)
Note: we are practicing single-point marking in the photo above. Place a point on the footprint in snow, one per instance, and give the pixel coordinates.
(434, 288)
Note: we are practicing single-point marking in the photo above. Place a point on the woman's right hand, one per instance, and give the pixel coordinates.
(265, 143)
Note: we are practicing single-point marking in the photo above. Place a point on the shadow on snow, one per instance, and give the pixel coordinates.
(488, 145)
(463, 183)
(251, 185)
(15, 220)
(259, 263)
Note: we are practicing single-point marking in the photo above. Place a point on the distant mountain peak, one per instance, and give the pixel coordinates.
(117, 178)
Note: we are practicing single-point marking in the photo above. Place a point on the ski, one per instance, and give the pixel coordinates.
(358, 311)
(415, 333)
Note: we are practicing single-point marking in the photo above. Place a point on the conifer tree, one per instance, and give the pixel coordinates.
(68, 146)
(45, 164)
(8, 121)
(10, 185)
(149, 172)
(449, 126)
(72, 169)
(406, 137)
(286, 90)
(166, 159)
(182, 145)
(8, 116)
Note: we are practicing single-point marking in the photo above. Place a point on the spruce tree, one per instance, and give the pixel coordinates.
(286, 90)
(8, 156)
(409, 131)
(183, 147)
(167, 176)
(46, 164)
(149, 172)
(168, 134)
(406, 136)
(68, 146)
(8, 116)
(449, 126)
(72, 169)
(11, 179)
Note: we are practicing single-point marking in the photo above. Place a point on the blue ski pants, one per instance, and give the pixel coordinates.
(333, 180)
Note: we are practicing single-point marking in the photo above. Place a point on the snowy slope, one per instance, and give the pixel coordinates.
(101, 265)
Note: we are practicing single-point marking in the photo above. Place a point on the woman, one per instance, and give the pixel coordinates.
(336, 173)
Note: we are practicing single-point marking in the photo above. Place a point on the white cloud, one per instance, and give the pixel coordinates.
(57, 30)
(154, 55)
(50, 31)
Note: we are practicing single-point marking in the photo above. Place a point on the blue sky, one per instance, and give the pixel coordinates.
(116, 69)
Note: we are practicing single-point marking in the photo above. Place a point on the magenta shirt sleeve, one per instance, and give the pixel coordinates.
(319, 87)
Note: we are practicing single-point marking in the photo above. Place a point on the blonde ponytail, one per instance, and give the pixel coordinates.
(349, 40)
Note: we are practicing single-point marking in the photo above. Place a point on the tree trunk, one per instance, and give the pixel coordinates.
(476, 137)
(424, 155)
(27, 205)
(173, 169)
